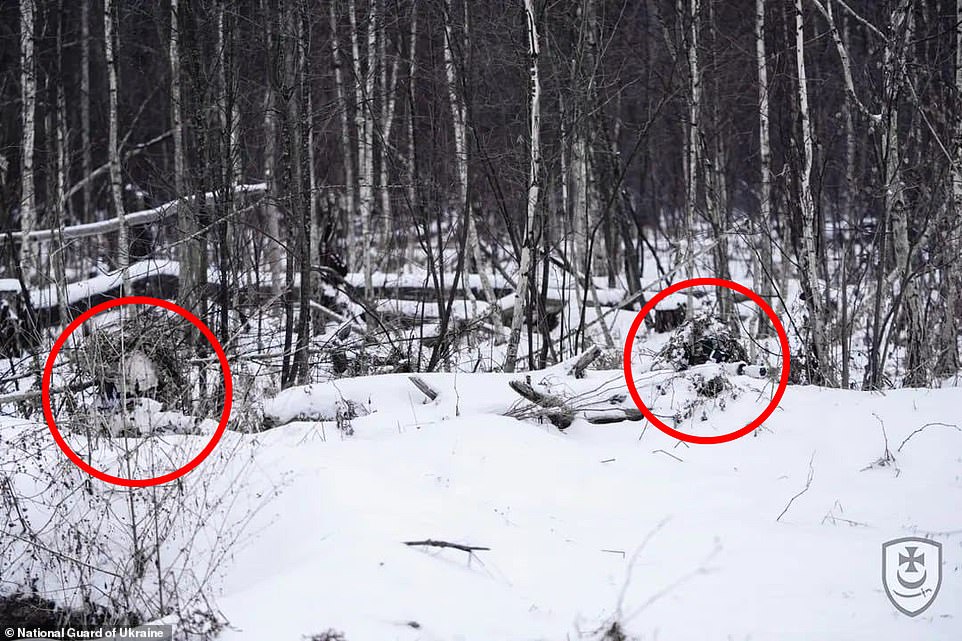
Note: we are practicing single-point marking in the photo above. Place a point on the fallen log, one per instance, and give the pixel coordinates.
(558, 412)
(613, 415)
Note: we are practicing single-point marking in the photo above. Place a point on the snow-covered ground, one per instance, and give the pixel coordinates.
(587, 526)
(599, 523)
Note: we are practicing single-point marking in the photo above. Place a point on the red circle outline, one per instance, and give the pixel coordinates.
(782, 339)
(48, 373)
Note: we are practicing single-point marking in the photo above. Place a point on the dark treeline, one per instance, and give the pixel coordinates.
(818, 141)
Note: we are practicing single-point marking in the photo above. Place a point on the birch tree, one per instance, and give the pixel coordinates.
(896, 209)
(364, 123)
(459, 120)
(691, 146)
(272, 214)
(818, 354)
(188, 286)
(948, 358)
(534, 180)
(113, 144)
(763, 268)
(716, 188)
(28, 100)
(388, 105)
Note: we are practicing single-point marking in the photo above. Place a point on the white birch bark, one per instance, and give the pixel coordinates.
(276, 256)
(388, 103)
(28, 96)
(364, 114)
(952, 273)
(58, 257)
(584, 193)
(534, 180)
(412, 193)
(809, 257)
(764, 269)
(900, 34)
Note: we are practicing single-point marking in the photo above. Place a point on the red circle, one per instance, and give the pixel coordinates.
(48, 373)
(782, 339)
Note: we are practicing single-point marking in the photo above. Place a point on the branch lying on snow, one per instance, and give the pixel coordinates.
(613, 415)
(560, 415)
(425, 389)
(955, 427)
(600, 405)
(808, 484)
(470, 549)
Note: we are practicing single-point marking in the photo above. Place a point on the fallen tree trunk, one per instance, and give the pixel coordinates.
(557, 411)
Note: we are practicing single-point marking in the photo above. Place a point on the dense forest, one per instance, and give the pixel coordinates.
(388, 374)
(510, 139)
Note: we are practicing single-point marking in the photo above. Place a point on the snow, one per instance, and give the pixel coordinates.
(567, 515)
(595, 524)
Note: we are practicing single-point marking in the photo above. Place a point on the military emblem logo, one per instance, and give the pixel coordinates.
(911, 573)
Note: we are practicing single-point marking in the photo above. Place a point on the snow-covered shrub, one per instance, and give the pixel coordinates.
(109, 555)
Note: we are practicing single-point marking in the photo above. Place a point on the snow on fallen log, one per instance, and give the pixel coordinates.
(578, 368)
(311, 403)
(104, 283)
(134, 219)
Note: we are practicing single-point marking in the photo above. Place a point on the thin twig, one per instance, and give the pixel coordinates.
(470, 549)
(955, 427)
(808, 484)
(669, 454)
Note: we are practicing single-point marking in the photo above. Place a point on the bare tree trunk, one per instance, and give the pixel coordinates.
(900, 31)
(228, 160)
(346, 148)
(189, 283)
(388, 104)
(819, 367)
(58, 257)
(716, 186)
(459, 119)
(298, 55)
(948, 362)
(692, 146)
(592, 249)
(86, 162)
(534, 180)
(364, 115)
(28, 98)
(847, 207)
(764, 271)
(412, 192)
(275, 249)
(113, 144)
